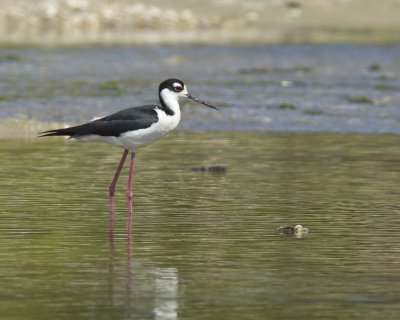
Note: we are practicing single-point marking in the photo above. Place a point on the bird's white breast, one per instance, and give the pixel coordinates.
(133, 140)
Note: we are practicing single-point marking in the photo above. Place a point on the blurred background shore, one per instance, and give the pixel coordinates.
(66, 22)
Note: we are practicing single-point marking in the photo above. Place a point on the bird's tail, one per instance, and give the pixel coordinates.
(58, 132)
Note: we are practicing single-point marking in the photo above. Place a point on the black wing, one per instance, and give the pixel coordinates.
(113, 125)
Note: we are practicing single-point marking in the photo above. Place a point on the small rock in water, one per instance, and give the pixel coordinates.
(298, 230)
(217, 169)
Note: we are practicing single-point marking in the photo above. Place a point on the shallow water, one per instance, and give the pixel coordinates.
(204, 245)
(336, 88)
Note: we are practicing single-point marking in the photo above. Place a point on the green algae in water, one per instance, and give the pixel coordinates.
(359, 99)
(112, 87)
(287, 106)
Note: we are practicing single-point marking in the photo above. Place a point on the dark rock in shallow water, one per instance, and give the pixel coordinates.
(216, 169)
(297, 230)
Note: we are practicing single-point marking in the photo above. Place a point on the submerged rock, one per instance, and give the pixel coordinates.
(217, 169)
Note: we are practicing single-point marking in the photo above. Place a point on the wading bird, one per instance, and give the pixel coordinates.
(132, 129)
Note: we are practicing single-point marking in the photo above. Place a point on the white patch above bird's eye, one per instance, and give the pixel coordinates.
(177, 86)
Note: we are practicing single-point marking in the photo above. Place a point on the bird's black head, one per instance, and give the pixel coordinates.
(174, 85)
(173, 89)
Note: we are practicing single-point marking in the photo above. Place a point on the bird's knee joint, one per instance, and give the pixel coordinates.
(129, 195)
(111, 191)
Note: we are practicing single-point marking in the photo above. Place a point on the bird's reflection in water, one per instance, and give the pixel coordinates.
(163, 283)
(166, 293)
(129, 274)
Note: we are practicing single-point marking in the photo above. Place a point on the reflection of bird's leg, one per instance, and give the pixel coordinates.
(129, 194)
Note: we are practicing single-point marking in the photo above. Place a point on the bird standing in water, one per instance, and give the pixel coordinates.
(132, 129)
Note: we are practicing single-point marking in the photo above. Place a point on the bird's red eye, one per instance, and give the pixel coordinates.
(178, 88)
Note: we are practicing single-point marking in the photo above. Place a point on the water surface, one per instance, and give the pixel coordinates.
(204, 245)
(335, 88)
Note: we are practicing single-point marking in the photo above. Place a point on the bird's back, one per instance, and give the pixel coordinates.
(130, 128)
(129, 119)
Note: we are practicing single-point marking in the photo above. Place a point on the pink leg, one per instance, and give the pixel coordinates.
(111, 190)
(129, 195)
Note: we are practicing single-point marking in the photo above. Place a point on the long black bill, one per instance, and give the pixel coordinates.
(200, 101)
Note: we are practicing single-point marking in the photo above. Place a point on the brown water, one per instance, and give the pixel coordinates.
(204, 245)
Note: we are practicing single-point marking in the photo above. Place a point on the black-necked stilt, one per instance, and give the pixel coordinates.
(132, 129)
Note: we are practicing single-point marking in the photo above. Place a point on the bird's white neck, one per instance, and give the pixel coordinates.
(169, 100)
